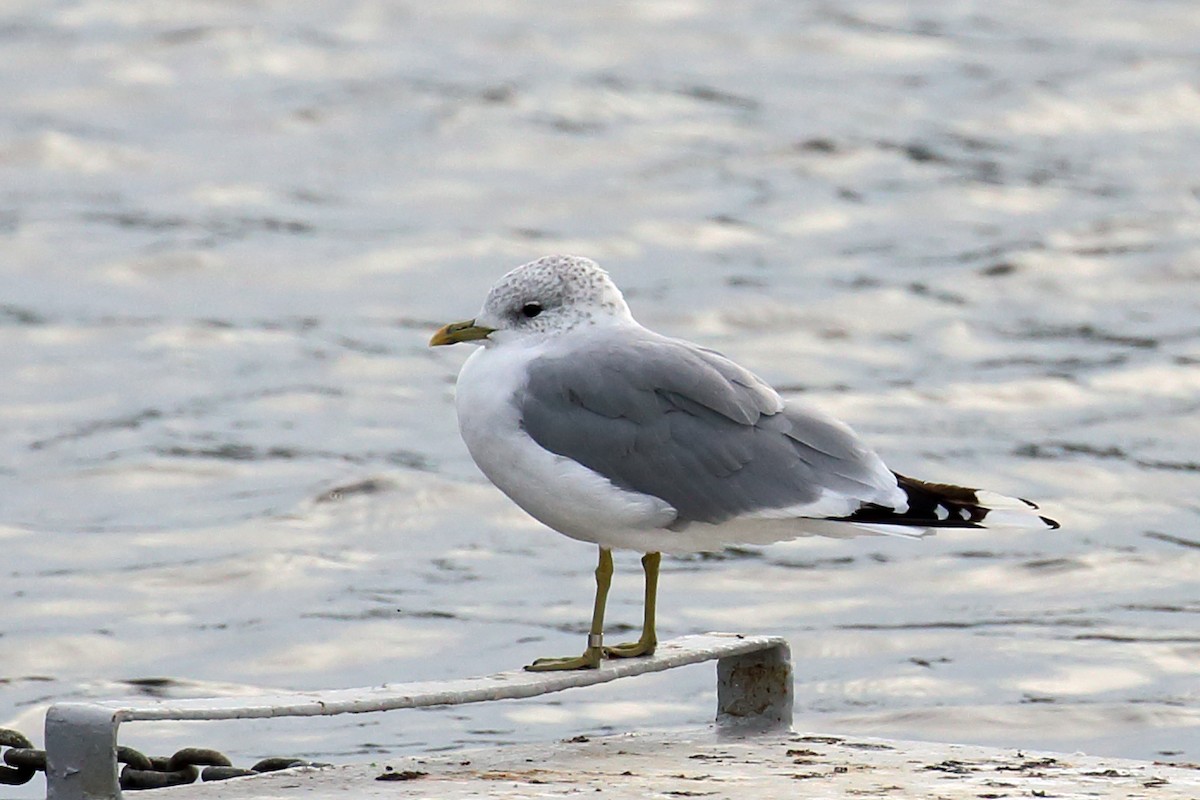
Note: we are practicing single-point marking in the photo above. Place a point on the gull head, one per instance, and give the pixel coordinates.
(541, 299)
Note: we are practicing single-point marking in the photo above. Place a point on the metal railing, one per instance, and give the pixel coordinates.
(754, 689)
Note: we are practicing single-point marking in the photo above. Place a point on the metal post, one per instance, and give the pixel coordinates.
(754, 690)
(81, 752)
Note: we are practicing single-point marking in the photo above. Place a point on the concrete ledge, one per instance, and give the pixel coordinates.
(711, 765)
(754, 675)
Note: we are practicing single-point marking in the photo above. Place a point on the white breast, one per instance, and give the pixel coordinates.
(557, 491)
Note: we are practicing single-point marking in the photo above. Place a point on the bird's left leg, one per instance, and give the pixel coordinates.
(645, 644)
(595, 646)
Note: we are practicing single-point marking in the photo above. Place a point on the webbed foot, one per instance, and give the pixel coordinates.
(589, 660)
(642, 647)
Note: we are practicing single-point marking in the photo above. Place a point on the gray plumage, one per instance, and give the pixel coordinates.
(664, 417)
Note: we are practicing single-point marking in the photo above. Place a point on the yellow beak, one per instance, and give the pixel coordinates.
(459, 332)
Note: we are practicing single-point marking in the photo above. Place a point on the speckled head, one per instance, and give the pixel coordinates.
(552, 295)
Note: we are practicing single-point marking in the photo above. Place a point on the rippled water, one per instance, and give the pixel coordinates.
(228, 461)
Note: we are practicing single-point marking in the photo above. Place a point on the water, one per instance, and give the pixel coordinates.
(229, 464)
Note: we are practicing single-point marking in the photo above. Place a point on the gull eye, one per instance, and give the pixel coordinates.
(531, 310)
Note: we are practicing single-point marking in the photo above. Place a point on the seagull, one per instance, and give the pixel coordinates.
(612, 434)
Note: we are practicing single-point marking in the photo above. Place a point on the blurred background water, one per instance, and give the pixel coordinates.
(229, 461)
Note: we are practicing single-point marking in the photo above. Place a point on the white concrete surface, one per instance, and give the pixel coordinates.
(705, 764)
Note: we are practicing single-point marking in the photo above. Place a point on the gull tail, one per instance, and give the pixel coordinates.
(943, 505)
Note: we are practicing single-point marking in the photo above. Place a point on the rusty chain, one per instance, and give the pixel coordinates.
(19, 769)
(140, 771)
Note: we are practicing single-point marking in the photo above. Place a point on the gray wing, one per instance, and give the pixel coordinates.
(666, 418)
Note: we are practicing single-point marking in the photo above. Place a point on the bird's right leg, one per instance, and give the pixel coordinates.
(646, 643)
(595, 647)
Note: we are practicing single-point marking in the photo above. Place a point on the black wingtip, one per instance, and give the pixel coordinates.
(1030, 503)
(1052, 524)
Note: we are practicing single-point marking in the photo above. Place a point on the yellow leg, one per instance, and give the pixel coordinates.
(595, 648)
(645, 645)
